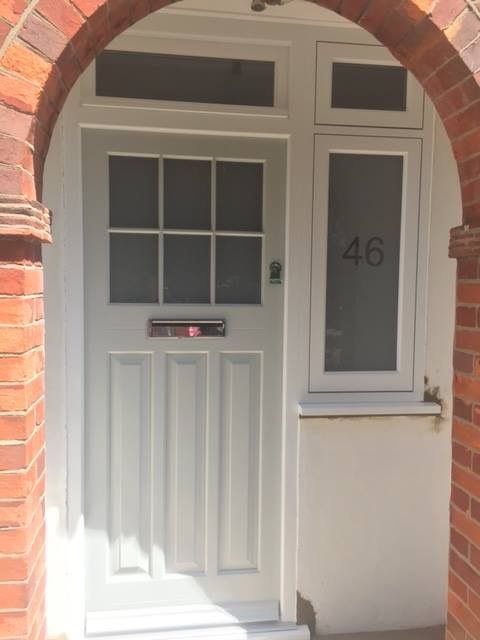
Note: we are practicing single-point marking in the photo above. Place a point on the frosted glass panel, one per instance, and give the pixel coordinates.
(186, 269)
(133, 267)
(160, 76)
(239, 270)
(239, 196)
(187, 194)
(364, 225)
(369, 86)
(133, 192)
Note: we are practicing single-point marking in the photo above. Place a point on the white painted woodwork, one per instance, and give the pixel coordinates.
(258, 631)
(299, 11)
(167, 618)
(317, 409)
(186, 460)
(241, 376)
(130, 428)
(183, 436)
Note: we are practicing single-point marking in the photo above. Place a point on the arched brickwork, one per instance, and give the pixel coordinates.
(44, 46)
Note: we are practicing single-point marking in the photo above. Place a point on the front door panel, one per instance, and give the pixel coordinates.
(183, 435)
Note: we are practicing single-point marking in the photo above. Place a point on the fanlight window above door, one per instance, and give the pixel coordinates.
(182, 78)
(362, 85)
(195, 74)
(185, 231)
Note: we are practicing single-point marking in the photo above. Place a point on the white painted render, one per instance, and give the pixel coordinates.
(373, 491)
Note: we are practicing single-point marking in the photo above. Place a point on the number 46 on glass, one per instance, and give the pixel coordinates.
(374, 255)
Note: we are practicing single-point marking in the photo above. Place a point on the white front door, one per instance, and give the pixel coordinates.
(183, 435)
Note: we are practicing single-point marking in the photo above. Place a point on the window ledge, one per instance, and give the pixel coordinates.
(319, 409)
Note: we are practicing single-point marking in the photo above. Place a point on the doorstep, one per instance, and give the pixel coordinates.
(254, 631)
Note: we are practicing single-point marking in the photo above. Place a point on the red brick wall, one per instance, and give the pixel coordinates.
(464, 575)
(44, 46)
(22, 458)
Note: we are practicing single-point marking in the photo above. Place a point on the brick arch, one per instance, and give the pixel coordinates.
(48, 43)
(44, 47)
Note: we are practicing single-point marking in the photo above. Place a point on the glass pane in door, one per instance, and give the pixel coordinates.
(239, 196)
(133, 267)
(187, 193)
(186, 269)
(133, 187)
(238, 275)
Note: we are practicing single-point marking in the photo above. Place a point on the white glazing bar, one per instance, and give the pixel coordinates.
(213, 248)
(241, 234)
(141, 230)
(161, 218)
(186, 232)
(202, 232)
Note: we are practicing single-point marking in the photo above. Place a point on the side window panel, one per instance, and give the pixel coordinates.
(365, 236)
(364, 227)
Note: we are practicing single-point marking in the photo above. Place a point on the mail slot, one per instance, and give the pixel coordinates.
(186, 328)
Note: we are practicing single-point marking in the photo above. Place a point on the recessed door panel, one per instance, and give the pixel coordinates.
(130, 428)
(187, 375)
(240, 459)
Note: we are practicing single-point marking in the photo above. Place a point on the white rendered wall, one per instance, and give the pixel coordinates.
(373, 518)
(374, 491)
(56, 432)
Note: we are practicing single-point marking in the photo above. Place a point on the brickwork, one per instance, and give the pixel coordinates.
(464, 575)
(44, 47)
(22, 460)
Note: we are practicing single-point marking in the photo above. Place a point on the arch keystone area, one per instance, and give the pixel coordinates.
(44, 47)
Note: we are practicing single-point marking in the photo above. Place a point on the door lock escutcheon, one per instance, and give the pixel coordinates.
(275, 272)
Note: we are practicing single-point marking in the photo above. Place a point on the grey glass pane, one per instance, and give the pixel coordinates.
(239, 196)
(364, 224)
(186, 269)
(369, 86)
(154, 76)
(187, 194)
(133, 267)
(239, 270)
(133, 191)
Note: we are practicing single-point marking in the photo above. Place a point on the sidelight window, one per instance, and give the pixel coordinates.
(365, 235)
(363, 251)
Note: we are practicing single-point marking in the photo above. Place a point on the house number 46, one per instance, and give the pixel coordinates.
(374, 255)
